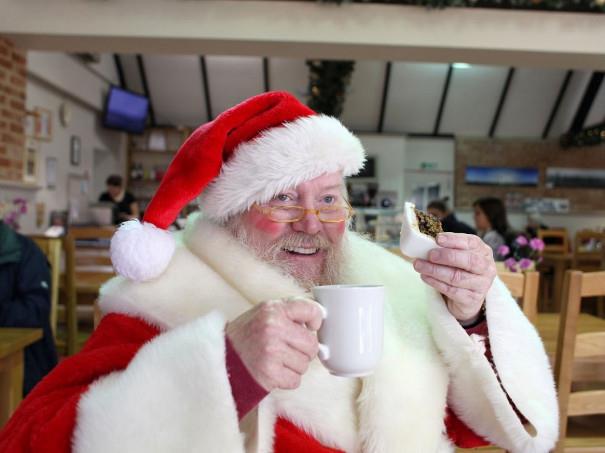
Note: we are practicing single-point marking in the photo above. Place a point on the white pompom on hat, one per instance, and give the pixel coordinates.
(263, 146)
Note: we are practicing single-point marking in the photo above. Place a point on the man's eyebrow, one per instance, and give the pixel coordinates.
(335, 186)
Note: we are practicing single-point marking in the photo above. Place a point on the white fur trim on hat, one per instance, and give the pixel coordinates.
(141, 251)
(279, 159)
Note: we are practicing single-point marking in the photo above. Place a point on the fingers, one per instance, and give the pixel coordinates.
(463, 296)
(295, 361)
(452, 276)
(304, 311)
(302, 340)
(462, 241)
(470, 261)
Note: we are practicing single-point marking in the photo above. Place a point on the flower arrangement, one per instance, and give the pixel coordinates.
(522, 255)
(10, 213)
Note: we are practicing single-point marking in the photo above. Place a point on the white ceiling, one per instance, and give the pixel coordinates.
(414, 94)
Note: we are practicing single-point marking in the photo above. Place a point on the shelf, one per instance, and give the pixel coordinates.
(19, 185)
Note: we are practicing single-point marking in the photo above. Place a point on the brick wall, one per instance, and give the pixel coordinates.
(536, 154)
(12, 111)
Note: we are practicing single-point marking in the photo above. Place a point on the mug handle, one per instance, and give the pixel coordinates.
(324, 350)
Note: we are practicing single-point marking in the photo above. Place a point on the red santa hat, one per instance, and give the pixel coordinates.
(248, 154)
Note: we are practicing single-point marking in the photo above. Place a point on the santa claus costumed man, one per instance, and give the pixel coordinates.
(206, 346)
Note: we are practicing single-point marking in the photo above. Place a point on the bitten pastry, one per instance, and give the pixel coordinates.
(418, 232)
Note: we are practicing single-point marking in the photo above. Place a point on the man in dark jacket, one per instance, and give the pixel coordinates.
(25, 300)
(449, 222)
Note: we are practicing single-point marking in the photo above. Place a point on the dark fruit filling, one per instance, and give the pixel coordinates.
(428, 224)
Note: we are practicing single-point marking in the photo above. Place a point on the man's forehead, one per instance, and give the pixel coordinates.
(330, 181)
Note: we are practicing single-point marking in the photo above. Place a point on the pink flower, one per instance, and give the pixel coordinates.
(525, 263)
(521, 240)
(511, 264)
(537, 244)
(503, 250)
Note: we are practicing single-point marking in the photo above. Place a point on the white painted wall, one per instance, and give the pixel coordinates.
(389, 151)
(54, 79)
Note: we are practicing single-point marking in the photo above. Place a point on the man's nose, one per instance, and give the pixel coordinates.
(309, 224)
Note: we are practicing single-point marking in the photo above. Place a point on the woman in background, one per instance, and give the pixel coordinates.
(491, 222)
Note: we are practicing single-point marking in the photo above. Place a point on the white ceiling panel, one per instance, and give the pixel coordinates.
(414, 95)
(569, 104)
(472, 100)
(597, 112)
(364, 96)
(176, 87)
(529, 101)
(106, 67)
(289, 74)
(232, 80)
(132, 75)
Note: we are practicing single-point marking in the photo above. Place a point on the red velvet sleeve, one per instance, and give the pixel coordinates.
(247, 393)
(45, 420)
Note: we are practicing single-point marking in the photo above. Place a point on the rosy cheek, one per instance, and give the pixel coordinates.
(267, 226)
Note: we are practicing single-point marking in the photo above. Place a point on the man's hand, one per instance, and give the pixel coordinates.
(276, 340)
(463, 271)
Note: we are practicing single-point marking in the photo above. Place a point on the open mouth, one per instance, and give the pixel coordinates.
(302, 251)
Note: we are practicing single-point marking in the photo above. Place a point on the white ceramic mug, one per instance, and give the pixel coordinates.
(351, 335)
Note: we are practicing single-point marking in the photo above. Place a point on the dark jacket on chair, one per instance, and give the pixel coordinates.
(25, 300)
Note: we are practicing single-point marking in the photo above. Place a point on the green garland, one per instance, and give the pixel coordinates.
(586, 6)
(328, 81)
(591, 136)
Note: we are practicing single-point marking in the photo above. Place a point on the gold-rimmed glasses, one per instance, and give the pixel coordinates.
(291, 214)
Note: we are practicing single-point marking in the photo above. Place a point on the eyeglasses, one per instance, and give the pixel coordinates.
(291, 214)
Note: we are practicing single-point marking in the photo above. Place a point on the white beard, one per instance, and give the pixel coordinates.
(333, 265)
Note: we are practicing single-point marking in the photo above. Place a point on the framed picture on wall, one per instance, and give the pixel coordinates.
(43, 124)
(75, 150)
(30, 163)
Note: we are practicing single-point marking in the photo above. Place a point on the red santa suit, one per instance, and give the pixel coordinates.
(153, 378)
(170, 391)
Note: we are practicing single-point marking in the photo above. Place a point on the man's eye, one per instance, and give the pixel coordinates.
(283, 197)
(329, 199)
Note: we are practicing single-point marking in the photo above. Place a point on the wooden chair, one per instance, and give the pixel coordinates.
(572, 345)
(51, 247)
(555, 240)
(524, 287)
(87, 267)
(588, 259)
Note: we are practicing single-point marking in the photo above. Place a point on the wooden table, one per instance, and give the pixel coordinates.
(12, 343)
(560, 262)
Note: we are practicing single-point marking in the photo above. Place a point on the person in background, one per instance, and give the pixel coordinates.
(125, 204)
(491, 222)
(448, 219)
(25, 300)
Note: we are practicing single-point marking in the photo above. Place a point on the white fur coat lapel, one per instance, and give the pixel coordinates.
(212, 271)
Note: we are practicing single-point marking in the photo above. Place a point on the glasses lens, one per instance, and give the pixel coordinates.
(286, 213)
(335, 214)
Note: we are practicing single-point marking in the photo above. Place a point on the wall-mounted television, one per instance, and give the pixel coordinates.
(502, 176)
(125, 110)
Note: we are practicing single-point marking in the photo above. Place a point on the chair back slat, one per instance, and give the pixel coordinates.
(589, 345)
(524, 287)
(589, 402)
(51, 247)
